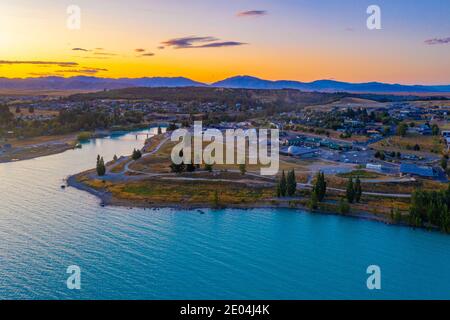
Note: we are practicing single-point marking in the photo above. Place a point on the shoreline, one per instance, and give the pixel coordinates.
(29, 149)
(106, 199)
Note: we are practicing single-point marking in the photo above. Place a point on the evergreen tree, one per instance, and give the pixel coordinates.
(101, 169)
(137, 154)
(278, 190)
(283, 184)
(208, 167)
(358, 190)
(177, 168)
(291, 183)
(313, 202)
(320, 186)
(350, 192)
(242, 168)
(190, 167)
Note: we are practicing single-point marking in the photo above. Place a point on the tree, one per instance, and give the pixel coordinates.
(190, 167)
(291, 187)
(177, 168)
(402, 129)
(115, 157)
(358, 190)
(159, 130)
(137, 154)
(101, 169)
(242, 168)
(6, 117)
(31, 109)
(18, 109)
(283, 185)
(320, 186)
(171, 127)
(344, 207)
(444, 163)
(435, 130)
(208, 167)
(350, 192)
(313, 202)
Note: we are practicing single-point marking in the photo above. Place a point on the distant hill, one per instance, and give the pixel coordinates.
(229, 96)
(93, 83)
(327, 86)
(241, 82)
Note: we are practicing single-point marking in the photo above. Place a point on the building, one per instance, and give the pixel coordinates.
(415, 170)
(375, 167)
(300, 152)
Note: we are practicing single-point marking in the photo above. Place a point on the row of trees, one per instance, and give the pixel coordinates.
(431, 207)
(354, 191)
(319, 190)
(71, 120)
(137, 154)
(287, 186)
(100, 167)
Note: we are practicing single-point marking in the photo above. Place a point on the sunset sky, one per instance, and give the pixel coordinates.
(208, 40)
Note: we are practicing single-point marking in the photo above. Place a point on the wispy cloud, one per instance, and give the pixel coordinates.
(81, 71)
(79, 49)
(252, 13)
(139, 50)
(222, 44)
(199, 42)
(148, 54)
(105, 54)
(58, 63)
(438, 41)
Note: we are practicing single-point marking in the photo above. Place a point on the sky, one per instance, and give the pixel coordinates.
(209, 40)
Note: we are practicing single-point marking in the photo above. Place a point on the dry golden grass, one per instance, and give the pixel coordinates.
(184, 192)
(428, 144)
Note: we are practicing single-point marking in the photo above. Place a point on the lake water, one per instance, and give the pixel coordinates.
(174, 254)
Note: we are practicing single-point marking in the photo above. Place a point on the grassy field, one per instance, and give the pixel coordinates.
(157, 191)
(428, 144)
(363, 174)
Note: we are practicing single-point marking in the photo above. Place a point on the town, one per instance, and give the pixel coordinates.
(390, 146)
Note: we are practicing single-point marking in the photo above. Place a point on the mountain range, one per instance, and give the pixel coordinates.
(244, 82)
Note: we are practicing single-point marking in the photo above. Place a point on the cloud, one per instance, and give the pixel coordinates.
(61, 64)
(79, 49)
(148, 54)
(252, 13)
(199, 42)
(81, 71)
(161, 47)
(222, 44)
(438, 41)
(105, 54)
(139, 50)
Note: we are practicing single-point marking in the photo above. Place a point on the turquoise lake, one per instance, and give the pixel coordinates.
(175, 254)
